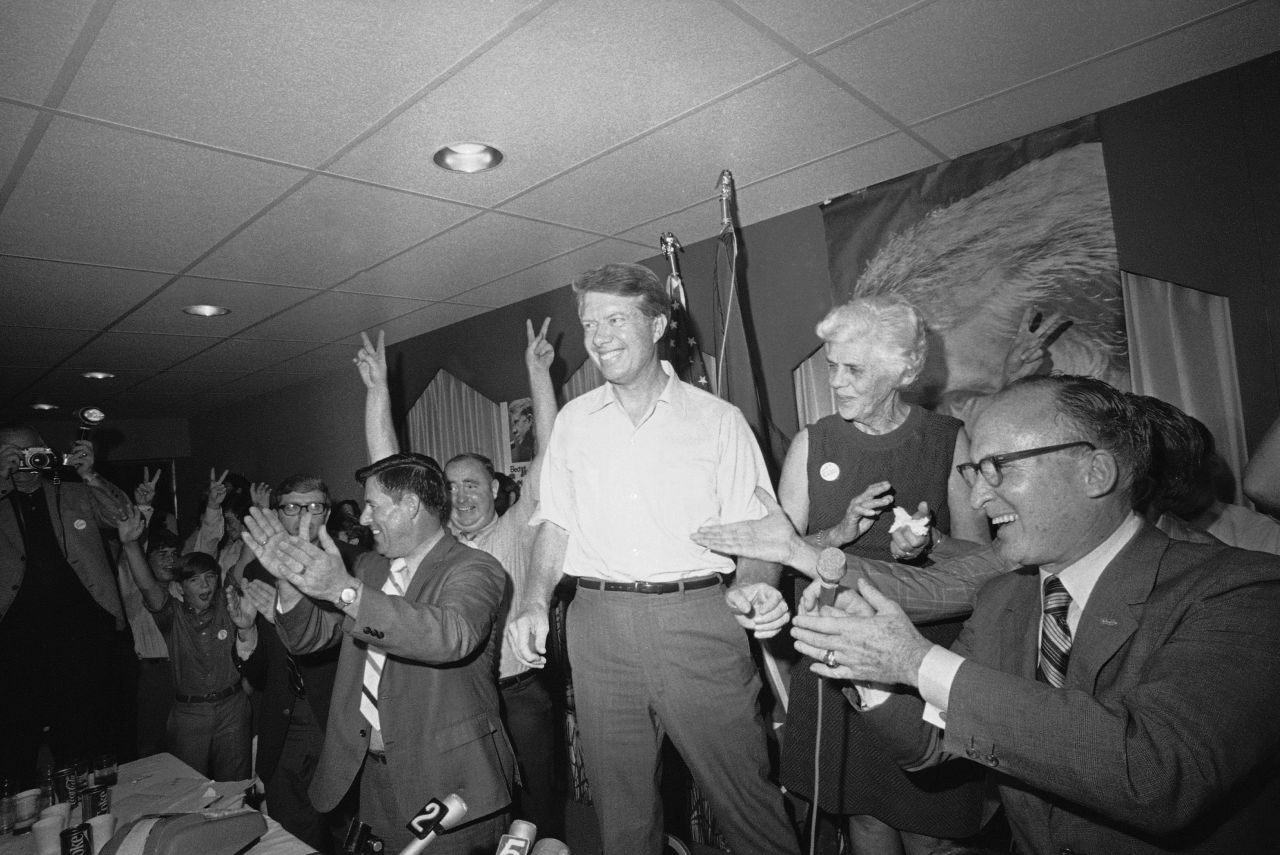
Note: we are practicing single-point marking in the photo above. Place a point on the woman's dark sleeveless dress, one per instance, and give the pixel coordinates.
(856, 775)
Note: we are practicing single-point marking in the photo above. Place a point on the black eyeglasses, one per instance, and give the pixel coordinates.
(990, 467)
(292, 509)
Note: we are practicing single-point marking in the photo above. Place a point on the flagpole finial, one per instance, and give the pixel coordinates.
(726, 199)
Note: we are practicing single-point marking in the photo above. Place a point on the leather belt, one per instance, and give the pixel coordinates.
(209, 697)
(650, 587)
(517, 679)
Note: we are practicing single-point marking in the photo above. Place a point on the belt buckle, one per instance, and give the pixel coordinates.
(649, 587)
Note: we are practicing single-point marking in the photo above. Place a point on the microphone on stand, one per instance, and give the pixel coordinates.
(726, 199)
(434, 817)
(831, 562)
(550, 846)
(519, 838)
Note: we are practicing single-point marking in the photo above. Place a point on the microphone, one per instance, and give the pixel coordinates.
(726, 199)
(432, 818)
(831, 562)
(550, 846)
(519, 838)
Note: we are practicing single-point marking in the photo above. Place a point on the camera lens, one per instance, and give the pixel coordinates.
(41, 460)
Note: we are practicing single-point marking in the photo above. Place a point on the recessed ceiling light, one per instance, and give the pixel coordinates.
(468, 157)
(98, 375)
(44, 406)
(206, 311)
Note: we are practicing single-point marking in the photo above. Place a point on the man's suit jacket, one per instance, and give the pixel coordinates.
(438, 696)
(1166, 736)
(77, 515)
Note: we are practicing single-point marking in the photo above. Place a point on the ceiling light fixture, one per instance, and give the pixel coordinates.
(206, 311)
(44, 407)
(468, 157)
(98, 375)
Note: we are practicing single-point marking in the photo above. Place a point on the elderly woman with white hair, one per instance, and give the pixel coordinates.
(842, 477)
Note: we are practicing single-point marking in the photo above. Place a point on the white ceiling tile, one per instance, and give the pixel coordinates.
(112, 351)
(288, 79)
(101, 195)
(330, 316)
(811, 24)
(796, 116)
(15, 125)
(1215, 44)
(240, 355)
(39, 292)
(834, 175)
(30, 346)
(926, 62)
(554, 273)
(35, 38)
(582, 76)
(476, 252)
(324, 359)
(249, 303)
(328, 230)
(178, 382)
(428, 318)
(266, 381)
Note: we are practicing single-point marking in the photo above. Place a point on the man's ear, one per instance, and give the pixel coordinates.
(494, 486)
(1101, 473)
(659, 327)
(410, 503)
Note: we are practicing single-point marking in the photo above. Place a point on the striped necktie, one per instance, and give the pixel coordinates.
(375, 659)
(1055, 635)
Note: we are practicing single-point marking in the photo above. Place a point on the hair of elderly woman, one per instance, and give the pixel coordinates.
(895, 323)
(626, 280)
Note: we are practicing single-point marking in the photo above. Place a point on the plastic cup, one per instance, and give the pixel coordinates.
(26, 810)
(47, 834)
(104, 827)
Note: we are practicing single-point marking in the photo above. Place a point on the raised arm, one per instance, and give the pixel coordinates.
(538, 356)
(371, 360)
(130, 528)
(109, 501)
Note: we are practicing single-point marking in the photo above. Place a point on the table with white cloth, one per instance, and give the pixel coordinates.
(162, 784)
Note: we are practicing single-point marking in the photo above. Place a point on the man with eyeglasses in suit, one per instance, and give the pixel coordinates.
(296, 690)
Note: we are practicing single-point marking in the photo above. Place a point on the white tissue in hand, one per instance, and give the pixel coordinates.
(902, 519)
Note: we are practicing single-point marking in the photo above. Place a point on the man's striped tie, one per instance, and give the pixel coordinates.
(1055, 635)
(376, 658)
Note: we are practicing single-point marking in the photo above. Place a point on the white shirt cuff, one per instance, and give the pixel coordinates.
(937, 671)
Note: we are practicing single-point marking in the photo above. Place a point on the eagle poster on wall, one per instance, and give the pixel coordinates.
(989, 247)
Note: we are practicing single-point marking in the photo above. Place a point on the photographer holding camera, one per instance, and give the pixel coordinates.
(59, 605)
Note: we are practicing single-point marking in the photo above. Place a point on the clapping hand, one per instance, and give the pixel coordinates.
(243, 610)
(905, 544)
(862, 512)
(317, 571)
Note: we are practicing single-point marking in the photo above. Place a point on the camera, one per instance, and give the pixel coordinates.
(37, 459)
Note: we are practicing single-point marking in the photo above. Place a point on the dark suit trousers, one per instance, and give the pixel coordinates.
(531, 723)
(287, 800)
(647, 666)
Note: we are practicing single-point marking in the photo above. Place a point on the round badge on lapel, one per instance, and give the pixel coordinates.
(222, 635)
(80, 525)
(829, 471)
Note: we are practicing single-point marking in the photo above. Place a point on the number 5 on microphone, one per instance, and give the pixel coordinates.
(510, 845)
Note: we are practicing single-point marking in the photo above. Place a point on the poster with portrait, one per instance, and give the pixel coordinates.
(988, 247)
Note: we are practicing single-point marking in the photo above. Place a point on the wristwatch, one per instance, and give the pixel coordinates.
(347, 595)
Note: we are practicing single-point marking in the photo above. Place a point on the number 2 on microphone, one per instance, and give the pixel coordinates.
(430, 815)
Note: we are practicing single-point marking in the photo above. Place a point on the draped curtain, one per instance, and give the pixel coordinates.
(586, 378)
(1181, 350)
(814, 398)
(451, 417)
